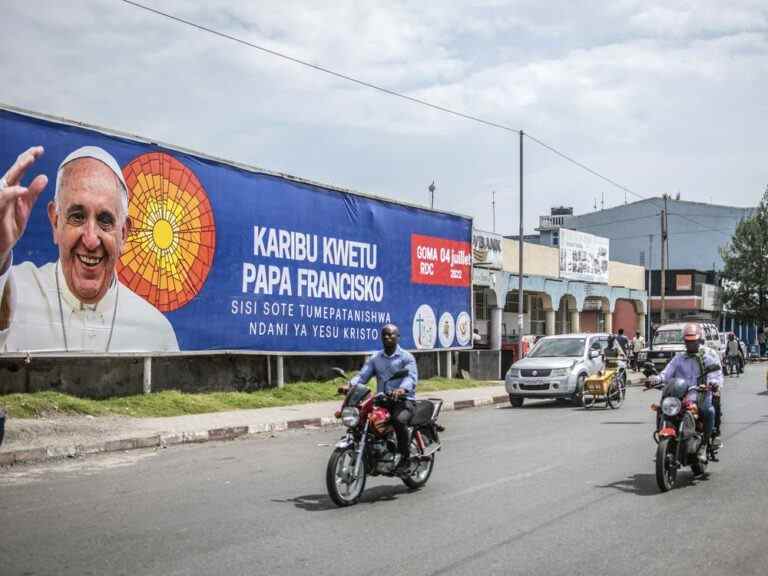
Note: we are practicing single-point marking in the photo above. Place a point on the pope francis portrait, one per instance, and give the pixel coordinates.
(76, 304)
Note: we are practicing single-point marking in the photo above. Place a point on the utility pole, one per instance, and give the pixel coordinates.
(664, 241)
(432, 195)
(649, 328)
(520, 322)
(493, 208)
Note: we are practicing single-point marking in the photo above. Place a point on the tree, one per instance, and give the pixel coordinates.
(745, 276)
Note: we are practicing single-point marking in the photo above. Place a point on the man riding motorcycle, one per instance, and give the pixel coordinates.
(733, 351)
(383, 365)
(697, 365)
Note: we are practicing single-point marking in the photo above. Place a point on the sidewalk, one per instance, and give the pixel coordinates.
(36, 440)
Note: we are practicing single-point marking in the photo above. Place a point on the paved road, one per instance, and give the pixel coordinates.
(546, 489)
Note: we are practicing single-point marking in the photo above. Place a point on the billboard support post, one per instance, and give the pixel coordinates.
(147, 379)
(280, 373)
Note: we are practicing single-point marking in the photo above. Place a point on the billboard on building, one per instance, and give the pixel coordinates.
(487, 250)
(583, 256)
(216, 256)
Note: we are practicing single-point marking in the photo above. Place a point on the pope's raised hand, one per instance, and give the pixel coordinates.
(16, 200)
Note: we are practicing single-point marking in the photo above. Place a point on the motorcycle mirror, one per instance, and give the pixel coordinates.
(339, 372)
(649, 369)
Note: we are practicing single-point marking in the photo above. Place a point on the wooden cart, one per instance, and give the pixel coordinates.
(606, 386)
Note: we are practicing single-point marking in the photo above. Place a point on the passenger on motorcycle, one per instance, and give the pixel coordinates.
(383, 365)
(697, 365)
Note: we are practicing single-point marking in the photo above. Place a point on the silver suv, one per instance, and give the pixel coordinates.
(556, 368)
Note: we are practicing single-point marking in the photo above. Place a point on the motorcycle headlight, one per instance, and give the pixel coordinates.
(559, 372)
(670, 406)
(514, 373)
(350, 417)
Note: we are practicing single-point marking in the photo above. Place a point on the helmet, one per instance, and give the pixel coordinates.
(691, 332)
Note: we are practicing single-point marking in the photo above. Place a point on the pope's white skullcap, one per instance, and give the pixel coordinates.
(102, 156)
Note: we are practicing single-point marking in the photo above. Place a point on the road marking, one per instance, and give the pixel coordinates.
(503, 480)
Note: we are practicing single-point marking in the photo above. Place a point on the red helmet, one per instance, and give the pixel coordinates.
(691, 333)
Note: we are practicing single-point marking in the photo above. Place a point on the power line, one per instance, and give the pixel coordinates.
(395, 93)
(657, 234)
(323, 68)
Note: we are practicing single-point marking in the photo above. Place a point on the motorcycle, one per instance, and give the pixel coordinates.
(369, 447)
(679, 430)
(731, 366)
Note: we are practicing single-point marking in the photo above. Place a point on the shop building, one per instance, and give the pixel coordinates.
(555, 301)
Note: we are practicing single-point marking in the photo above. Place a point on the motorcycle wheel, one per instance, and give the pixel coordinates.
(666, 473)
(342, 488)
(423, 471)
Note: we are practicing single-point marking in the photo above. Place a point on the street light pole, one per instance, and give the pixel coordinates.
(432, 195)
(493, 208)
(520, 263)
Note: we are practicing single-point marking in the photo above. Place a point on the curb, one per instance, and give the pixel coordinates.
(37, 455)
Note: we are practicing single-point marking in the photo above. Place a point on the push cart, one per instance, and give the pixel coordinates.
(607, 386)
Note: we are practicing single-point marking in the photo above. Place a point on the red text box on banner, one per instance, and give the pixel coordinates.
(439, 261)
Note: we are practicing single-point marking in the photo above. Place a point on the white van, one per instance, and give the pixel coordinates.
(668, 341)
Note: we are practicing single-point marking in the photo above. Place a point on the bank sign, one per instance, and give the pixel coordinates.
(219, 257)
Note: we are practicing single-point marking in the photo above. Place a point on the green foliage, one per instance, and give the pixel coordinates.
(174, 403)
(745, 276)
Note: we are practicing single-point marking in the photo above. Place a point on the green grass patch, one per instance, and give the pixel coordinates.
(173, 403)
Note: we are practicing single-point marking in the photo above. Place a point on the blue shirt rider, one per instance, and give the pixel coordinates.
(697, 365)
(383, 365)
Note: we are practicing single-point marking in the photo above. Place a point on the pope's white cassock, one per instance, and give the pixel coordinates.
(37, 308)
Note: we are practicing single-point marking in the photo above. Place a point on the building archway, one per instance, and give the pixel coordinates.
(567, 316)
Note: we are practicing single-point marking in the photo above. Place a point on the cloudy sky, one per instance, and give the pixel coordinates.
(658, 96)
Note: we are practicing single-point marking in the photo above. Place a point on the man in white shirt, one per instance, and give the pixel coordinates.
(76, 303)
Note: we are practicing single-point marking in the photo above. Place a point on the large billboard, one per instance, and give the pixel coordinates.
(215, 256)
(583, 256)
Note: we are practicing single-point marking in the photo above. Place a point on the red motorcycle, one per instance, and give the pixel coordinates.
(369, 446)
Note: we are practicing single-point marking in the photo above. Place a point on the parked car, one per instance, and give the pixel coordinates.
(668, 341)
(556, 367)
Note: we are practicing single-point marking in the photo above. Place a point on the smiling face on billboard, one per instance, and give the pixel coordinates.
(89, 227)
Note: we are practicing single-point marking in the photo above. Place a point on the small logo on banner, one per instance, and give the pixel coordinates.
(463, 329)
(447, 330)
(424, 327)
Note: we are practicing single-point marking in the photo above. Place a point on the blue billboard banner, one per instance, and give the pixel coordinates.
(215, 256)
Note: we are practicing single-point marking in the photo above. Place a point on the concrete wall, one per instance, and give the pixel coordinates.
(539, 260)
(626, 275)
(481, 364)
(123, 376)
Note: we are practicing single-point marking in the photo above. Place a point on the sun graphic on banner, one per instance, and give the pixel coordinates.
(169, 251)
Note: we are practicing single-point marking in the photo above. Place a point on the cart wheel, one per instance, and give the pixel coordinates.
(615, 394)
(587, 400)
